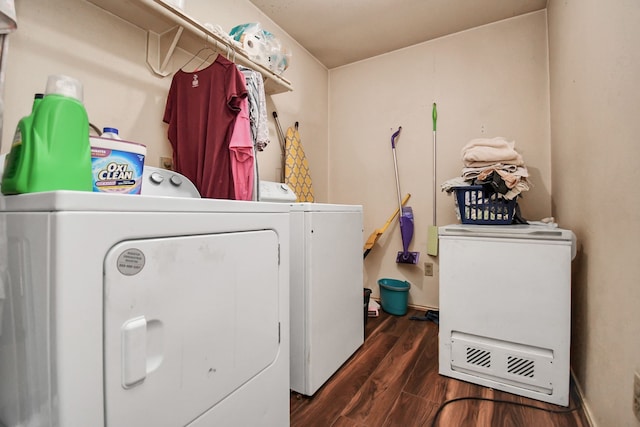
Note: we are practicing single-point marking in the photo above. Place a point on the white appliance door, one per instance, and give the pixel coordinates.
(188, 320)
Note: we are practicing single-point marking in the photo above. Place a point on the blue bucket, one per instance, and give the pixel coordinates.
(394, 295)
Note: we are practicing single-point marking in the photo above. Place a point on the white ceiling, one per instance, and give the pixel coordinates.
(338, 32)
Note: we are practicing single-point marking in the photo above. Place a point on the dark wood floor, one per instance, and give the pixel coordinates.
(393, 380)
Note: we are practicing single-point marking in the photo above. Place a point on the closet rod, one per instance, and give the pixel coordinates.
(207, 36)
(169, 27)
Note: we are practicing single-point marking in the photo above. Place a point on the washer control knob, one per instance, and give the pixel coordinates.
(176, 180)
(156, 178)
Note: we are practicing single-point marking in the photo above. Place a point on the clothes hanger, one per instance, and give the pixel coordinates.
(206, 59)
(197, 54)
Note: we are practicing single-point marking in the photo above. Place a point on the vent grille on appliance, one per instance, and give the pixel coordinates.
(478, 357)
(520, 366)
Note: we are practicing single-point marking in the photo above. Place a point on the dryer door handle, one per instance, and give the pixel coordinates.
(134, 351)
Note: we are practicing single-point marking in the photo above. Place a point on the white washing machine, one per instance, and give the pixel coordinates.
(505, 308)
(327, 322)
(123, 310)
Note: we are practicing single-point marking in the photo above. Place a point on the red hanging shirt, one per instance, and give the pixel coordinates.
(201, 110)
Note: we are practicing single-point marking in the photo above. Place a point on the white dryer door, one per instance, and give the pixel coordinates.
(187, 321)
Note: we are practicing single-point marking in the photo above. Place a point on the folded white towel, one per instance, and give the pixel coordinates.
(487, 151)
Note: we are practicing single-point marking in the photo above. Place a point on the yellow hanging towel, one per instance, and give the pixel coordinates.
(296, 167)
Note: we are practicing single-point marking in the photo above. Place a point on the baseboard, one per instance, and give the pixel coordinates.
(413, 306)
(422, 307)
(585, 407)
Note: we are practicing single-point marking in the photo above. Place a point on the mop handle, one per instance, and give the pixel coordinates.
(434, 114)
(394, 137)
(395, 166)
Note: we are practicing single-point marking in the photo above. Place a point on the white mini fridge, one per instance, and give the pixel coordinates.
(505, 308)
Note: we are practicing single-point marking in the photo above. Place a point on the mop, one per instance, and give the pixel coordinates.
(406, 215)
(432, 231)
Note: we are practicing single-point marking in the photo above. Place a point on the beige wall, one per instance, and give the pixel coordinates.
(107, 55)
(595, 102)
(489, 81)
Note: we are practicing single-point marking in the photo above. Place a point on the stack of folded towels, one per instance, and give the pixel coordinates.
(494, 162)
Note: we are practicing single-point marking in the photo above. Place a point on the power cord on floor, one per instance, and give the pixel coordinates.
(487, 399)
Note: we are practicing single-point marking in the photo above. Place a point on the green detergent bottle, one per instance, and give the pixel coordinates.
(51, 149)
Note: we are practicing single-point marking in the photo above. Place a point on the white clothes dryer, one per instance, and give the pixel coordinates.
(133, 310)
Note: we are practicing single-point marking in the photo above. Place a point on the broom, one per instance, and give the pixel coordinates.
(373, 238)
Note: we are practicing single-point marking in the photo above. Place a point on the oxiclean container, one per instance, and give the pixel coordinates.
(117, 165)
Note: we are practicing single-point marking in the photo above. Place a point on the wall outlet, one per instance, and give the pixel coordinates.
(636, 395)
(428, 269)
(166, 163)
